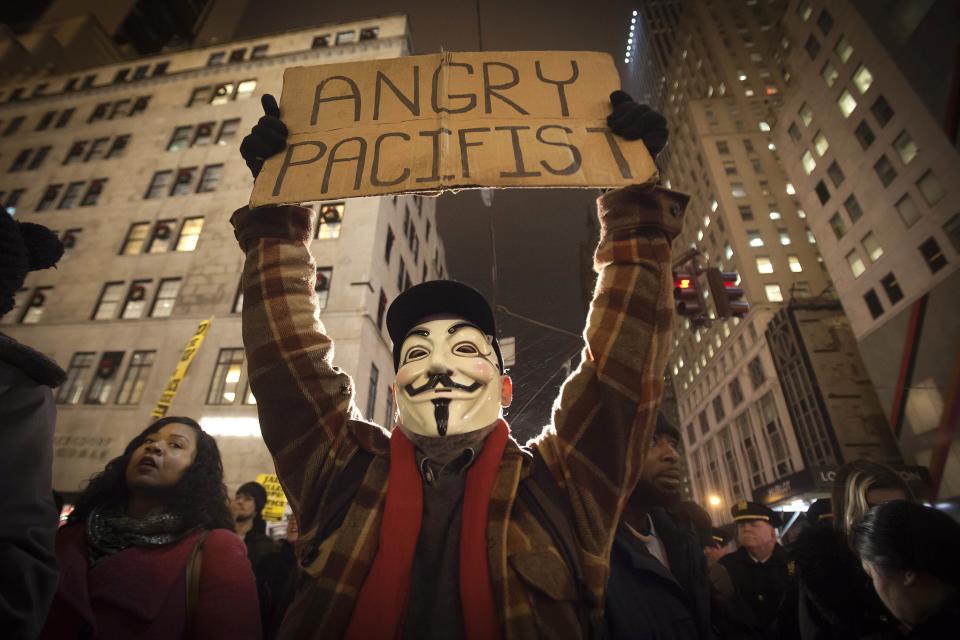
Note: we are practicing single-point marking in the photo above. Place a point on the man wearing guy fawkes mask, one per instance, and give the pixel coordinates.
(446, 527)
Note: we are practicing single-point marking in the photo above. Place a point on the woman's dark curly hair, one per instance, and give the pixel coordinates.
(200, 498)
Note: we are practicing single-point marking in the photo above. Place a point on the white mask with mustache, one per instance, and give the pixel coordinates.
(448, 381)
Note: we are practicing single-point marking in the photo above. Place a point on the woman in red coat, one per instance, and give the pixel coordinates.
(149, 551)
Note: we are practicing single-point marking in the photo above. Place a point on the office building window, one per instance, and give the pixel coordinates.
(226, 377)
(882, 111)
(722, 148)
(773, 432)
(820, 143)
(930, 250)
(110, 298)
(381, 309)
(36, 305)
(189, 234)
(872, 246)
(73, 387)
(209, 178)
(864, 134)
(203, 134)
(159, 184)
(843, 49)
(136, 300)
(71, 195)
(750, 451)
(118, 146)
(64, 118)
(718, 411)
(215, 59)
(825, 21)
(862, 79)
(784, 237)
(92, 195)
(754, 239)
(401, 275)
(388, 417)
(370, 33)
(104, 378)
(930, 188)
(873, 304)
(166, 297)
(228, 130)
(856, 263)
(704, 423)
(906, 147)
(330, 220)
(892, 288)
(320, 42)
(764, 265)
(49, 196)
(162, 236)
(136, 237)
(259, 51)
(951, 228)
(908, 210)
(730, 168)
(853, 208)
(773, 292)
(806, 114)
(346, 37)
(245, 89)
(737, 190)
(794, 262)
(809, 164)
(794, 132)
(180, 139)
(389, 245)
(746, 213)
(135, 379)
(736, 392)
(183, 183)
(322, 287)
(835, 173)
(823, 192)
(829, 74)
(812, 47)
(885, 171)
(372, 392)
(847, 103)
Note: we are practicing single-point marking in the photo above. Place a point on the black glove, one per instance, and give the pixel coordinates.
(634, 121)
(267, 138)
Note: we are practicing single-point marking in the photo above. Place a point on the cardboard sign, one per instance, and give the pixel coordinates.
(170, 391)
(449, 121)
(276, 498)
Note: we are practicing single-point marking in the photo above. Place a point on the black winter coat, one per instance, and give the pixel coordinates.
(764, 603)
(836, 598)
(645, 600)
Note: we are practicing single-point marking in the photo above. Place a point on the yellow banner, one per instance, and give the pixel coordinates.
(276, 499)
(170, 391)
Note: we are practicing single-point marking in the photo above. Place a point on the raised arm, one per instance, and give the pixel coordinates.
(304, 402)
(606, 410)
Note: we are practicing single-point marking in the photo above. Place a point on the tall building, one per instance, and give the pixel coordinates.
(724, 80)
(867, 136)
(135, 164)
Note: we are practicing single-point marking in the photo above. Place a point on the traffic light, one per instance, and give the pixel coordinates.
(686, 293)
(727, 296)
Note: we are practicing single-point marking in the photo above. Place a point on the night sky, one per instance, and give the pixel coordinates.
(544, 237)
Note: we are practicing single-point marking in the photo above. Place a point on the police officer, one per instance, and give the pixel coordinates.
(764, 600)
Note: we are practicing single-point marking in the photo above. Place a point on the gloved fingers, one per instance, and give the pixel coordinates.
(643, 123)
(627, 113)
(619, 97)
(273, 124)
(255, 165)
(655, 141)
(270, 106)
(262, 146)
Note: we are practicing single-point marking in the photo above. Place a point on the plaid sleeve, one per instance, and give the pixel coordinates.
(305, 403)
(606, 410)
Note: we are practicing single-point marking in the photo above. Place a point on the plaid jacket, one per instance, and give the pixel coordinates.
(593, 447)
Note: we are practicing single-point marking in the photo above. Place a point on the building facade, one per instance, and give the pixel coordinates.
(879, 175)
(136, 166)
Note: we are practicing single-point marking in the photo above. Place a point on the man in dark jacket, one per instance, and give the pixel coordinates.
(658, 584)
(248, 506)
(764, 603)
(28, 517)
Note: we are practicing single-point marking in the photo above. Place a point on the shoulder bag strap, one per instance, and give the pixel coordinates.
(193, 584)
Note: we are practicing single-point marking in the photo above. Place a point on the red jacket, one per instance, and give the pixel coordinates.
(141, 592)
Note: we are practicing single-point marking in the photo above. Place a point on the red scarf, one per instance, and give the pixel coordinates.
(382, 601)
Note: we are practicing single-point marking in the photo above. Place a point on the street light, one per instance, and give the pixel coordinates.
(714, 500)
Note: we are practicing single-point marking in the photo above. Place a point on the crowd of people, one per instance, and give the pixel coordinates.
(444, 527)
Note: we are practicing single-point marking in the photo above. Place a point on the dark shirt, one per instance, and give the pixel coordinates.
(434, 609)
(647, 600)
(765, 601)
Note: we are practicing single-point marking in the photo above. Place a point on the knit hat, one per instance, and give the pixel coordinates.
(256, 491)
(24, 247)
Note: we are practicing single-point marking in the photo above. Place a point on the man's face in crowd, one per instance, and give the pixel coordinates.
(660, 478)
(755, 533)
(448, 381)
(244, 507)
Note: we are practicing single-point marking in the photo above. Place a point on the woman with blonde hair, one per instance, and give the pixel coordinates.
(837, 599)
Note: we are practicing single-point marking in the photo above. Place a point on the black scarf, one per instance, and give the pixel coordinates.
(110, 531)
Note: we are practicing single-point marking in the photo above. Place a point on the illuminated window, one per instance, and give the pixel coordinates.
(829, 74)
(136, 238)
(843, 49)
(222, 93)
(862, 79)
(872, 246)
(764, 265)
(226, 377)
(856, 263)
(135, 379)
(322, 287)
(136, 300)
(737, 190)
(73, 387)
(110, 297)
(820, 143)
(784, 237)
(189, 234)
(773, 292)
(846, 103)
(331, 218)
(753, 238)
(806, 115)
(794, 262)
(838, 226)
(809, 164)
